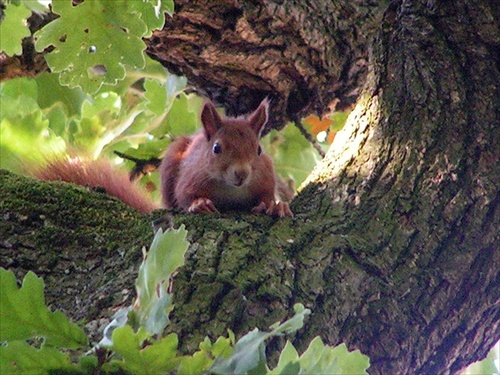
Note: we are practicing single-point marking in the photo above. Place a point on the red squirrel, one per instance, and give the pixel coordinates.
(222, 167)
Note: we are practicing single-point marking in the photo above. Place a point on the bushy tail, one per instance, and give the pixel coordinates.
(96, 173)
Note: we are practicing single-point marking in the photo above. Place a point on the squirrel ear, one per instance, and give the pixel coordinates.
(210, 119)
(259, 117)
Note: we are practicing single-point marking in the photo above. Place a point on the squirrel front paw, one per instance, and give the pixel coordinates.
(280, 209)
(200, 205)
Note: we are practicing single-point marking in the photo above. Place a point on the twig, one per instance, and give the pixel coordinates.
(142, 167)
(309, 137)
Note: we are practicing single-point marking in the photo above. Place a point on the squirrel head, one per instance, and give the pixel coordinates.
(234, 143)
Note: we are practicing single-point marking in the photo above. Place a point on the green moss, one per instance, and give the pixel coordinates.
(57, 209)
(77, 239)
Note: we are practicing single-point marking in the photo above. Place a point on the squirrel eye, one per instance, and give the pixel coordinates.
(217, 149)
(259, 150)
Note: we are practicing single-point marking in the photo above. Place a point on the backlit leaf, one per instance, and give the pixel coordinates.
(153, 285)
(143, 355)
(318, 124)
(94, 52)
(20, 358)
(293, 155)
(24, 315)
(13, 28)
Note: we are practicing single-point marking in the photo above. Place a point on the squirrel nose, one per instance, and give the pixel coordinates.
(240, 175)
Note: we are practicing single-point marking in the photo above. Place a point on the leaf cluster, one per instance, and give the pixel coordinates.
(90, 44)
(36, 340)
(24, 316)
(41, 118)
(104, 94)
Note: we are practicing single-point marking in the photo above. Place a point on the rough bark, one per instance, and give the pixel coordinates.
(400, 258)
(395, 243)
(417, 186)
(300, 54)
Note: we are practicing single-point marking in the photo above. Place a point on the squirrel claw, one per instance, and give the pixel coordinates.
(261, 208)
(201, 205)
(280, 209)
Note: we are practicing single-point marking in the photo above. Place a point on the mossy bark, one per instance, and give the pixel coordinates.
(395, 241)
(77, 240)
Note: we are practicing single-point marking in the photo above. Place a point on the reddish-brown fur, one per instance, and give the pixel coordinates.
(99, 173)
(195, 178)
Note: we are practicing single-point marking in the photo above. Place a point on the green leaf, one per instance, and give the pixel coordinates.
(222, 347)
(294, 323)
(198, 363)
(201, 361)
(321, 359)
(143, 355)
(249, 354)
(318, 359)
(24, 315)
(25, 133)
(339, 119)
(180, 118)
(93, 41)
(58, 122)
(148, 149)
(177, 115)
(293, 155)
(28, 110)
(153, 285)
(28, 132)
(160, 96)
(175, 85)
(21, 144)
(16, 88)
(88, 364)
(18, 357)
(154, 294)
(156, 94)
(14, 29)
(54, 93)
(288, 360)
(351, 362)
(292, 368)
(103, 120)
(152, 12)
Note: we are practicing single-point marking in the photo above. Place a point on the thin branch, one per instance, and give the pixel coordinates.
(142, 167)
(309, 137)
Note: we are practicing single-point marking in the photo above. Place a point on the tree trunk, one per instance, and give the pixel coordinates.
(395, 244)
(300, 54)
